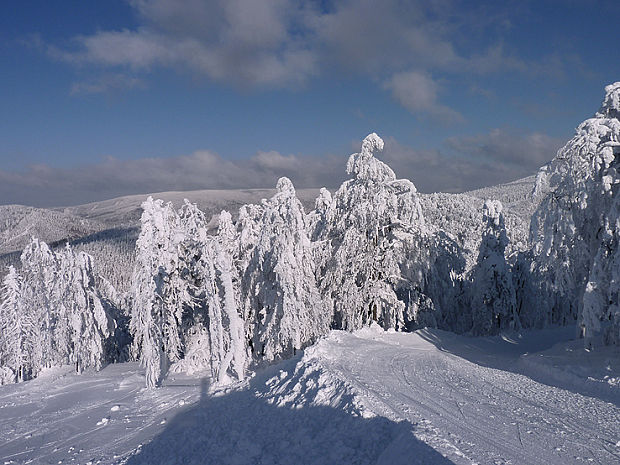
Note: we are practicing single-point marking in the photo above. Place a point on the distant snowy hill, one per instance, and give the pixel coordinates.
(19, 223)
(125, 211)
(516, 196)
(110, 228)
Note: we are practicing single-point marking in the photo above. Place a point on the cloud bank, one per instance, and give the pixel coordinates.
(467, 163)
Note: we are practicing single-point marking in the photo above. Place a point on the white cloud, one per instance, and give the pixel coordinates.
(286, 43)
(418, 93)
(240, 41)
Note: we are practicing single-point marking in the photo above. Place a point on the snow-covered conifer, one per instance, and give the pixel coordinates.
(157, 290)
(235, 360)
(39, 272)
(15, 328)
(601, 301)
(372, 223)
(89, 322)
(577, 189)
(493, 301)
(284, 307)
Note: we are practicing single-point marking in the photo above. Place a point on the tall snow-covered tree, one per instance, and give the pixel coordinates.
(39, 271)
(576, 190)
(58, 316)
(89, 323)
(157, 291)
(493, 303)
(185, 310)
(15, 328)
(373, 222)
(235, 360)
(284, 308)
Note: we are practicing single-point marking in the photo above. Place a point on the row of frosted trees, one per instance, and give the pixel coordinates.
(271, 284)
(575, 232)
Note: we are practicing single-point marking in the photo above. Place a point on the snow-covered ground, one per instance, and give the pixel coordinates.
(428, 397)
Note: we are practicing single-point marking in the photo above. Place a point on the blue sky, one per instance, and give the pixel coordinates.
(109, 98)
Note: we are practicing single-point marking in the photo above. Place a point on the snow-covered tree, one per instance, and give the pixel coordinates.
(235, 360)
(90, 325)
(531, 298)
(57, 314)
(185, 296)
(157, 291)
(39, 272)
(15, 328)
(576, 189)
(284, 308)
(493, 302)
(372, 224)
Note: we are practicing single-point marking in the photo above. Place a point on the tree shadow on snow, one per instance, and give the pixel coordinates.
(241, 428)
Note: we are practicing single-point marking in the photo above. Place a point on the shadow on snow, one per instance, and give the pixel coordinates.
(241, 428)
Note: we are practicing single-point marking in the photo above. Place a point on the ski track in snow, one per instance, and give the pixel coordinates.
(475, 414)
(367, 397)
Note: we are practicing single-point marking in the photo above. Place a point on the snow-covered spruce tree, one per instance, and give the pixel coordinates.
(249, 229)
(577, 188)
(39, 271)
(493, 302)
(61, 311)
(532, 300)
(284, 308)
(317, 218)
(15, 330)
(157, 291)
(372, 224)
(89, 323)
(185, 309)
(440, 260)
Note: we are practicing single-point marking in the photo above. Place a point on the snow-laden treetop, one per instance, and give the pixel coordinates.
(611, 104)
(285, 186)
(492, 211)
(589, 154)
(365, 166)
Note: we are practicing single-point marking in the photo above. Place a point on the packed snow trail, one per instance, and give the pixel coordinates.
(369, 397)
(469, 412)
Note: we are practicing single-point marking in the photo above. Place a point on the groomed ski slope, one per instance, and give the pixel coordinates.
(428, 397)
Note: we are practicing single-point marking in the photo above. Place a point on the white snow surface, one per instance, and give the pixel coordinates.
(428, 397)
